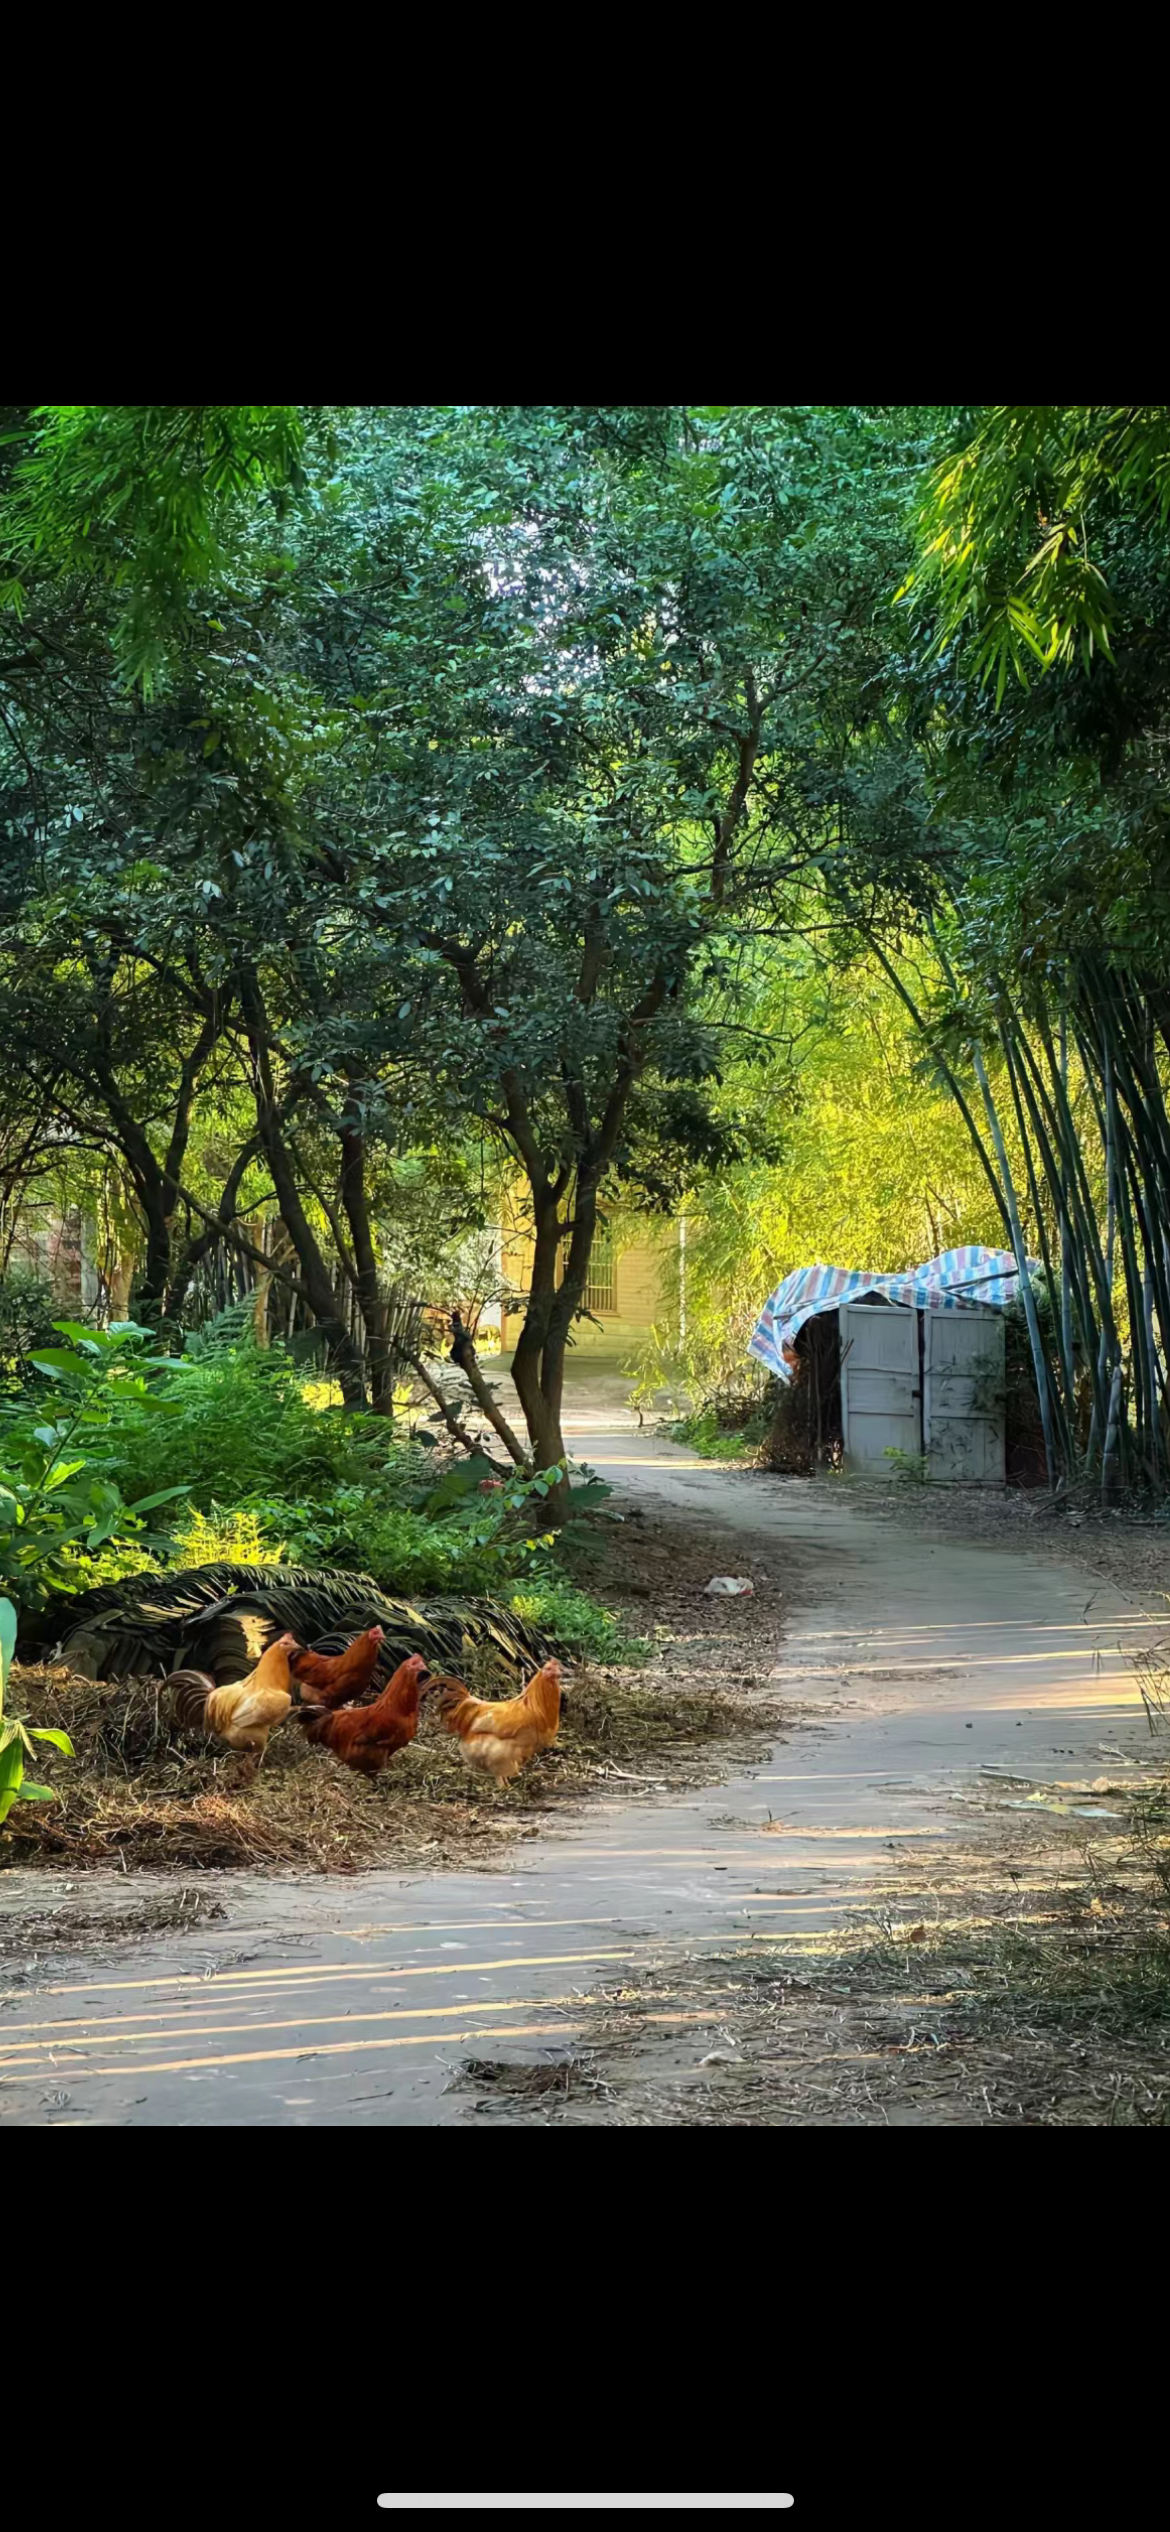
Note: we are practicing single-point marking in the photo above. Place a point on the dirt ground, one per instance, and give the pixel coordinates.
(1015, 1973)
(143, 1796)
(1021, 1979)
(1025, 1983)
(1124, 1547)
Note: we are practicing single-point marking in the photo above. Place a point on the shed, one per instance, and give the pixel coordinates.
(914, 1363)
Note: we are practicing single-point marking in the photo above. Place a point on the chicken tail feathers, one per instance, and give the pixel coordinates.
(189, 1691)
(313, 1719)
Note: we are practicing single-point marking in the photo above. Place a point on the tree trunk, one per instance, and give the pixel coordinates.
(1039, 1358)
(315, 1276)
(539, 1361)
(538, 1369)
(370, 1302)
(217, 1228)
(263, 1287)
(156, 1269)
(465, 1358)
(1110, 1457)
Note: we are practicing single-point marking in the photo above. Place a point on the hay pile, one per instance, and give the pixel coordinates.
(140, 1792)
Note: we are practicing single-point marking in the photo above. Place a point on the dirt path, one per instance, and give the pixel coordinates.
(926, 1661)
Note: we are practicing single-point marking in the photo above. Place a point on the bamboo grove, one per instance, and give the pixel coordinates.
(1075, 1085)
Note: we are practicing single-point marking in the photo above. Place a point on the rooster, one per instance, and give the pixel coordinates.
(243, 1714)
(500, 1737)
(368, 1737)
(338, 1679)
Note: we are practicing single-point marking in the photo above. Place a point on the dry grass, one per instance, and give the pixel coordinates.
(140, 1792)
(142, 1795)
(549, 2081)
(26, 1936)
(1023, 1984)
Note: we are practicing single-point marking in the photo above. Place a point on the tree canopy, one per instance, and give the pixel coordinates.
(596, 795)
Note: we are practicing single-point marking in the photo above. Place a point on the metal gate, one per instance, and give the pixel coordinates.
(881, 1402)
(963, 1419)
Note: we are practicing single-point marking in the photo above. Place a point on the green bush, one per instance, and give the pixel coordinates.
(262, 1475)
(575, 1620)
(27, 1306)
(240, 1425)
(353, 1527)
(16, 1738)
(59, 1508)
(711, 1434)
(464, 1530)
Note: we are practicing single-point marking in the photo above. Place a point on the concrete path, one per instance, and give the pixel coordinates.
(327, 2003)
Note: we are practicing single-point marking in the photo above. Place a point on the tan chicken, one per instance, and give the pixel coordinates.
(500, 1737)
(244, 1714)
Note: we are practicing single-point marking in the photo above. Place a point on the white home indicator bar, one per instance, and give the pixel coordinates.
(710, 2504)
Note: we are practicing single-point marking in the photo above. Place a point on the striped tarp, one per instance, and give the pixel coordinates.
(952, 1281)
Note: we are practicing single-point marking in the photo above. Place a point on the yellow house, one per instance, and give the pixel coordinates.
(626, 1293)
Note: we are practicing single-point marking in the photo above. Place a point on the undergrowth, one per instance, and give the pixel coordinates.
(262, 1472)
(722, 1434)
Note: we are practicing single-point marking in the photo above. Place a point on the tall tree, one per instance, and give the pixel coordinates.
(583, 663)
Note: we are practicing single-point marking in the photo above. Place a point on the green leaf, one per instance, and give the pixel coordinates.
(91, 1340)
(28, 1792)
(457, 1482)
(59, 1365)
(103, 1529)
(11, 1774)
(60, 1740)
(7, 1642)
(146, 1503)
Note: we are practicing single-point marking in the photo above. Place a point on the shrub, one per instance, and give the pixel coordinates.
(27, 1308)
(16, 1738)
(240, 1425)
(58, 1507)
(720, 1436)
(582, 1625)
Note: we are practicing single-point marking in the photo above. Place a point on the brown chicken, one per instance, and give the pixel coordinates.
(368, 1737)
(243, 1714)
(334, 1679)
(501, 1737)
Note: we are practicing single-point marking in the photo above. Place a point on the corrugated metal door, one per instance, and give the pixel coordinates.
(964, 1401)
(881, 1405)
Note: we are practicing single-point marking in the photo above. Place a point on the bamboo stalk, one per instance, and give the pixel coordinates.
(1068, 1404)
(1039, 1358)
(1065, 1240)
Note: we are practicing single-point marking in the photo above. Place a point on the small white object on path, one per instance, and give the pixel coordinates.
(728, 1586)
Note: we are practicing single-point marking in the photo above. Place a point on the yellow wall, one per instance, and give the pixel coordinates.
(640, 1258)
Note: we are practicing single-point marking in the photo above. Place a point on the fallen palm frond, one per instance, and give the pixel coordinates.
(220, 1617)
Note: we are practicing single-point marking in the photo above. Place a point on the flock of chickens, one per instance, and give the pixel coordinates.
(325, 1692)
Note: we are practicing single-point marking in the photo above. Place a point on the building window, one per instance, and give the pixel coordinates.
(601, 1289)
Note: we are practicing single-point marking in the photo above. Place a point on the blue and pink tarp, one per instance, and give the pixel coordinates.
(954, 1281)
